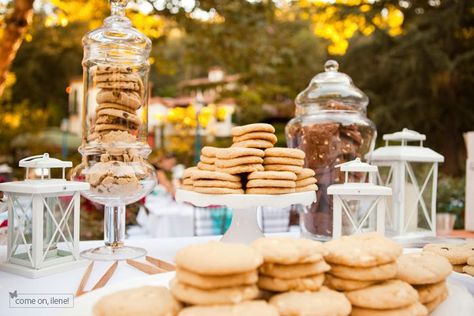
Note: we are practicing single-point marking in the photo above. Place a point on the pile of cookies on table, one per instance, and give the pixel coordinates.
(251, 166)
(355, 275)
(461, 256)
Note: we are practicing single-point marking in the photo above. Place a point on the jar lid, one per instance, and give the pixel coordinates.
(117, 40)
(332, 89)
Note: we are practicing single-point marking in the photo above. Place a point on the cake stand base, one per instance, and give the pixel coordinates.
(106, 253)
(244, 227)
(114, 235)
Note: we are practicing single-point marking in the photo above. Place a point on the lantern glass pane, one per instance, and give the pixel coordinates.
(58, 228)
(385, 175)
(418, 192)
(359, 216)
(22, 228)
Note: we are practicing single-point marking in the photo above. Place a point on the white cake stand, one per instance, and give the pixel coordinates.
(244, 227)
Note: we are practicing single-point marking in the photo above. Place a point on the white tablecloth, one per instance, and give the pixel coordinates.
(167, 218)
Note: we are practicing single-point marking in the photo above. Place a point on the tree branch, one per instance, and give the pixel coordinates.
(15, 26)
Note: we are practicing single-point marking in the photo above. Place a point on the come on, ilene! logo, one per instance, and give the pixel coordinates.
(39, 300)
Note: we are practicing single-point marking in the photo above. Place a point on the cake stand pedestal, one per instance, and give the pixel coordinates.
(244, 226)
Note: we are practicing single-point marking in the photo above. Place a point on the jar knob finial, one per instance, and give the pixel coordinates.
(118, 7)
(331, 65)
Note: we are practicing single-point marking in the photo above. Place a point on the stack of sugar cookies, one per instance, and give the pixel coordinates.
(306, 181)
(262, 168)
(214, 182)
(284, 159)
(457, 254)
(427, 273)
(270, 182)
(215, 273)
(290, 264)
(393, 297)
(364, 267)
(208, 158)
(324, 302)
(120, 96)
(145, 300)
(248, 308)
(187, 179)
(360, 261)
(258, 135)
(239, 160)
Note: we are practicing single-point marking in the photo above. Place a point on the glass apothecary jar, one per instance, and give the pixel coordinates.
(114, 126)
(331, 127)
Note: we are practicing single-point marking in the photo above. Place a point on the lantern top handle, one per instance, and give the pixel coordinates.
(356, 165)
(43, 162)
(404, 136)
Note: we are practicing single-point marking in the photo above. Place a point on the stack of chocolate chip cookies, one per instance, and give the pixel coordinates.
(259, 135)
(427, 273)
(290, 264)
(215, 182)
(208, 158)
(215, 273)
(270, 182)
(239, 160)
(120, 96)
(457, 254)
(284, 159)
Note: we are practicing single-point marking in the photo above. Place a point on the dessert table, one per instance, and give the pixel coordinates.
(67, 282)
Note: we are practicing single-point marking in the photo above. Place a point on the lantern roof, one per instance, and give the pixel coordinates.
(403, 151)
(45, 184)
(44, 161)
(356, 165)
(358, 188)
(405, 134)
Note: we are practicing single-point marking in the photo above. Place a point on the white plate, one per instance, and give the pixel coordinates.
(465, 279)
(244, 201)
(459, 299)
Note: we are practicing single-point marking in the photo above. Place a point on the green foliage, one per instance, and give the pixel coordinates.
(451, 197)
(45, 66)
(422, 79)
(250, 107)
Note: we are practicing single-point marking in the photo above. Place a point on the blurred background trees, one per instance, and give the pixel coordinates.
(413, 58)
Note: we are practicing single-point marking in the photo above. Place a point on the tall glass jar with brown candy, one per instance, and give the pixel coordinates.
(331, 127)
(114, 126)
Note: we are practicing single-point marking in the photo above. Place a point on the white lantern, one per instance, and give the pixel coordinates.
(43, 219)
(358, 207)
(412, 173)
